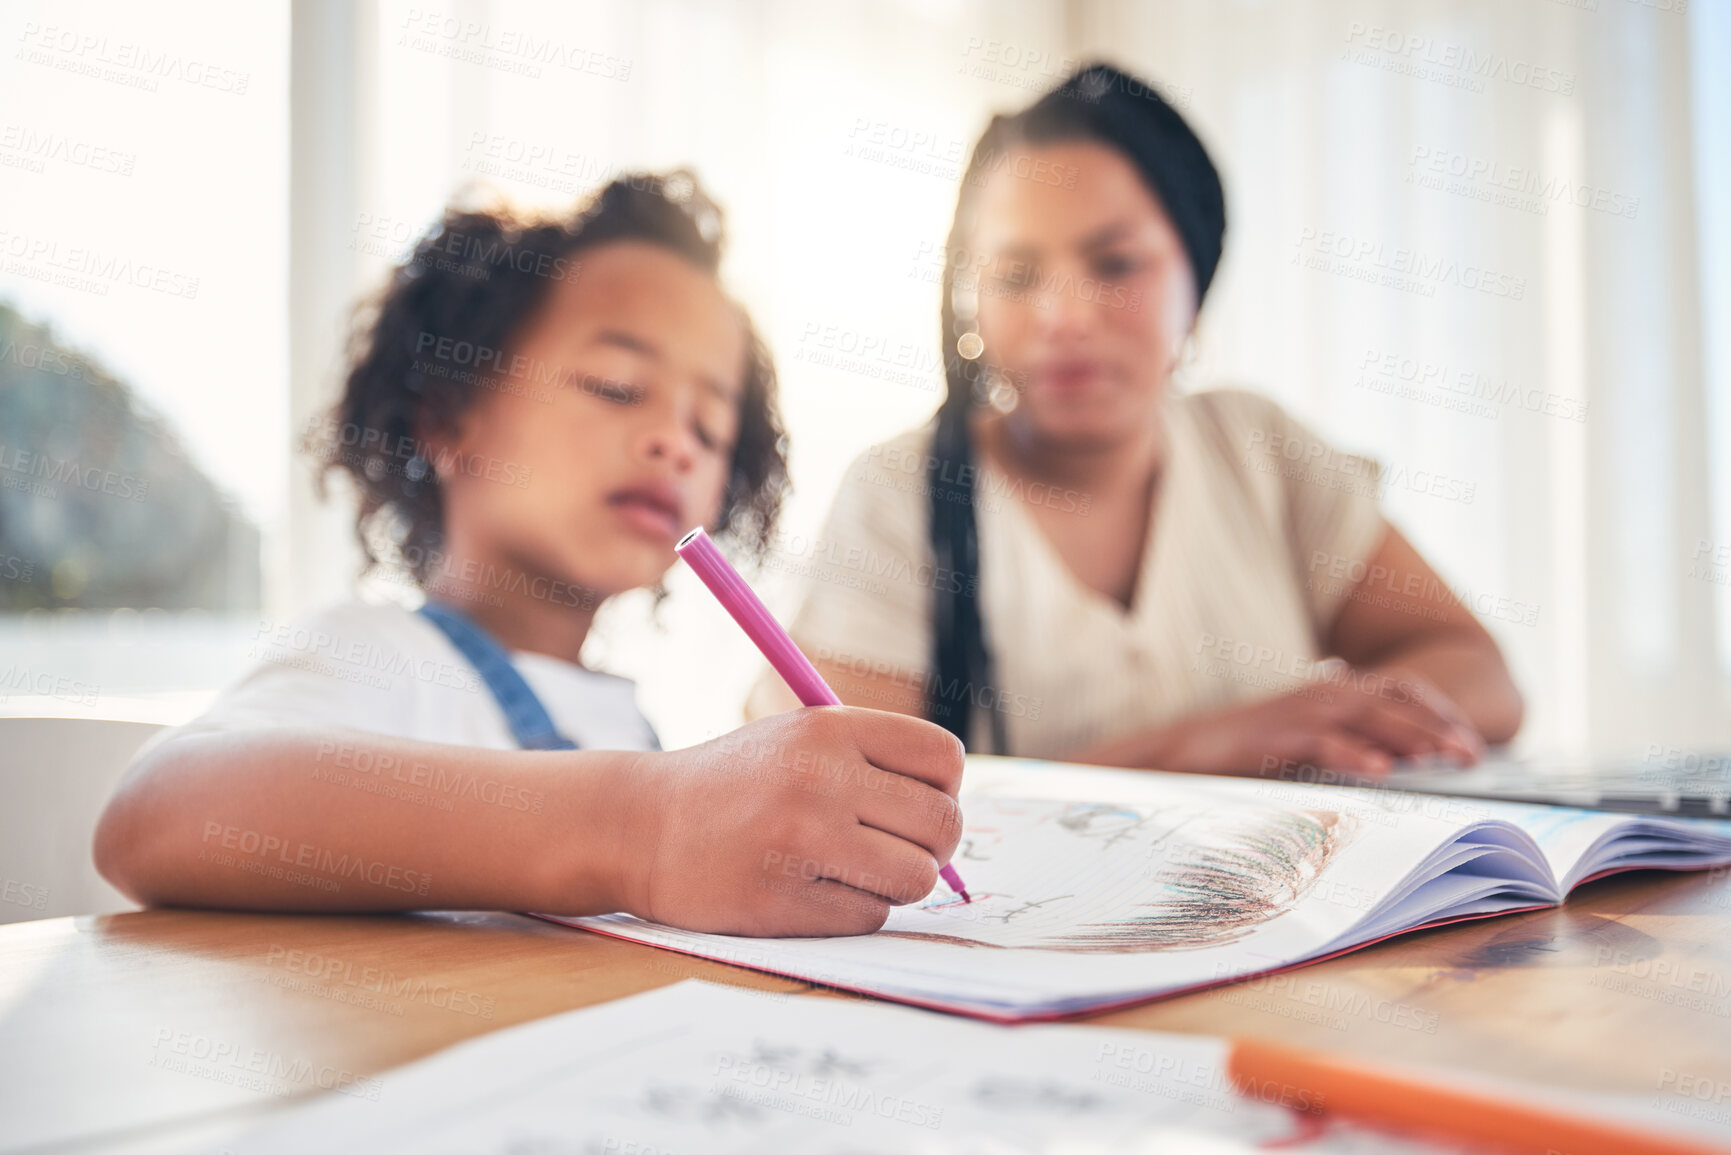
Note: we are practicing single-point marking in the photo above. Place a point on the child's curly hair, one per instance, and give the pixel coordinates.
(477, 278)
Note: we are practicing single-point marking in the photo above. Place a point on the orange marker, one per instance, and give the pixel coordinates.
(1404, 1103)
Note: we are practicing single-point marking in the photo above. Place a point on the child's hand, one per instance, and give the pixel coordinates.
(812, 822)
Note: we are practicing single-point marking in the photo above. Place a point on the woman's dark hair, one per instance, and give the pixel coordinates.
(1097, 103)
(442, 329)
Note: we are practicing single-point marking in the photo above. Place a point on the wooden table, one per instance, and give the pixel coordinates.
(160, 1030)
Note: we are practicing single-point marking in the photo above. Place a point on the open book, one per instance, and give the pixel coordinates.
(1097, 888)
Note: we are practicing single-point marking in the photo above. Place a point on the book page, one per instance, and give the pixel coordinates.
(1579, 844)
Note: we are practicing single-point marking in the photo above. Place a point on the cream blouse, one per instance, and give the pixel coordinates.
(1260, 531)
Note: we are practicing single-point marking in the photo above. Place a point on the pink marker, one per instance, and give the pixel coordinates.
(754, 618)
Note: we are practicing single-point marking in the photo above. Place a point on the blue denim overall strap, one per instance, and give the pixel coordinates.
(530, 723)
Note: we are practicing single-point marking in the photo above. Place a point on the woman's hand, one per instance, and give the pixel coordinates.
(1358, 722)
(811, 822)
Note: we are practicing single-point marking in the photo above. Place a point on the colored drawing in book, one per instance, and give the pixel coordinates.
(1110, 878)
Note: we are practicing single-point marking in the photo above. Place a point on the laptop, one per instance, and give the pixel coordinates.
(1663, 780)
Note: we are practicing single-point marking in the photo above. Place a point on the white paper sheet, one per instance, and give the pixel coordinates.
(696, 1067)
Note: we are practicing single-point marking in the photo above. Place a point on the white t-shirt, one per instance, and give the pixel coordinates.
(386, 670)
(1258, 530)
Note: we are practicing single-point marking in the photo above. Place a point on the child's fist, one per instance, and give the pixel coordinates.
(812, 822)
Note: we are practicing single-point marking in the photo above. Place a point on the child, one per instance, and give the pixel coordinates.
(534, 416)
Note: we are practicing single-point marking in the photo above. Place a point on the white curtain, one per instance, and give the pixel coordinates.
(1543, 373)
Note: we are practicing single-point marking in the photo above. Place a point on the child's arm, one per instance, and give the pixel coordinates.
(813, 822)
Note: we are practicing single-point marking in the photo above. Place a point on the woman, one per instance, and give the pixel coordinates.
(1074, 560)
